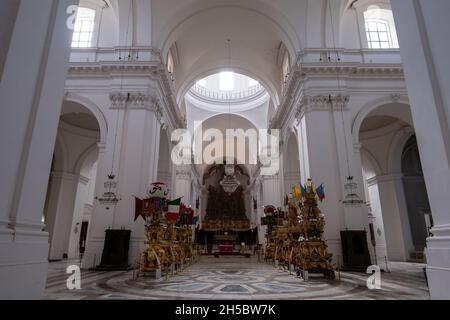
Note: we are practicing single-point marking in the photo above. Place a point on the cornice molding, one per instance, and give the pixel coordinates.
(304, 72)
(352, 71)
(153, 69)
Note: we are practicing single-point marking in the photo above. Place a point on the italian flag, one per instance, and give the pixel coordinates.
(174, 210)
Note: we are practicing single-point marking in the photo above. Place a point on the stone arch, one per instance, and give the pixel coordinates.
(96, 111)
(370, 107)
(206, 71)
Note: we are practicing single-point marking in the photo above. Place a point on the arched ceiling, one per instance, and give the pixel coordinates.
(222, 122)
(256, 28)
(77, 115)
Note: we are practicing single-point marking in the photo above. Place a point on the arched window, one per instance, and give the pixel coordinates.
(286, 66)
(170, 62)
(380, 28)
(378, 35)
(84, 28)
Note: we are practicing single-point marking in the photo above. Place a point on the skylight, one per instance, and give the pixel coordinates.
(226, 82)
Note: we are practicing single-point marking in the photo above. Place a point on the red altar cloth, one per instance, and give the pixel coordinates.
(226, 248)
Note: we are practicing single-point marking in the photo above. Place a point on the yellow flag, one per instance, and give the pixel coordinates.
(297, 193)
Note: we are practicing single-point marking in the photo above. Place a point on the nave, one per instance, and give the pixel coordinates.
(237, 278)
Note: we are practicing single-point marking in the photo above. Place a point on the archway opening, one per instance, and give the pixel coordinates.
(419, 212)
(70, 194)
(394, 186)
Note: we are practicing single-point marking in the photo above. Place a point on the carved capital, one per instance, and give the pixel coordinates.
(322, 103)
(136, 99)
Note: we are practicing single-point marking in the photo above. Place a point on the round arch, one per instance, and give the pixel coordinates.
(61, 155)
(396, 149)
(371, 161)
(85, 155)
(188, 12)
(239, 122)
(92, 107)
(370, 107)
(206, 71)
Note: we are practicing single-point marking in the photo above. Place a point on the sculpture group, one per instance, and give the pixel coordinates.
(295, 238)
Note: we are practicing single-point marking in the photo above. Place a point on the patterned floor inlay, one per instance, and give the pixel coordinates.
(237, 278)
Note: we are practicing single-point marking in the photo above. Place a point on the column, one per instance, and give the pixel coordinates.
(260, 212)
(82, 199)
(182, 184)
(421, 27)
(326, 157)
(138, 166)
(63, 193)
(31, 93)
(395, 217)
(101, 219)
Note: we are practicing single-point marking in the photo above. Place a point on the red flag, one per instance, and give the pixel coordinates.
(190, 216)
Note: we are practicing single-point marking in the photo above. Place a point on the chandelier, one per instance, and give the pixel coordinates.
(352, 199)
(109, 197)
(230, 183)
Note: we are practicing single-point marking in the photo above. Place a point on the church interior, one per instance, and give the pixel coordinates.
(224, 149)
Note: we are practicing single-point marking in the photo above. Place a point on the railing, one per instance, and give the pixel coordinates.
(360, 56)
(117, 54)
(203, 92)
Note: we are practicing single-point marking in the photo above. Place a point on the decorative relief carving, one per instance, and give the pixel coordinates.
(321, 103)
(136, 99)
(183, 172)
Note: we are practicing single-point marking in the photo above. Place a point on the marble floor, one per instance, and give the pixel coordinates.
(237, 278)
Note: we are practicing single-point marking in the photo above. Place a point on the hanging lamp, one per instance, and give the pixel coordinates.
(229, 183)
(351, 198)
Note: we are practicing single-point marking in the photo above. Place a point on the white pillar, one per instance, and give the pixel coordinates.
(395, 216)
(137, 153)
(182, 184)
(326, 158)
(373, 195)
(63, 192)
(101, 219)
(422, 28)
(31, 92)
(82, 199)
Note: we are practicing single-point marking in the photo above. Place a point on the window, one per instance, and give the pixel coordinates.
(252, 82)
(226, 81)
(84, 28)
(202, 82)
(380, 28)
(378, 36)
(170, 62)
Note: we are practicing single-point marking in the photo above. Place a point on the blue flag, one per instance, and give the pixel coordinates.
(303, 188)
(321, 193)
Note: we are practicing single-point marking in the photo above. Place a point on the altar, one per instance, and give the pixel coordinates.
(226, 225)
(226, 248)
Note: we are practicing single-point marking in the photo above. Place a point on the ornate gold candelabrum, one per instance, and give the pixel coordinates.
(311, 252)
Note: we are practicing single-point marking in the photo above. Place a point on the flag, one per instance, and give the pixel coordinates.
(303, 190)
(297, 193)
(174, 210)
(321, 193)
(195, 220)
